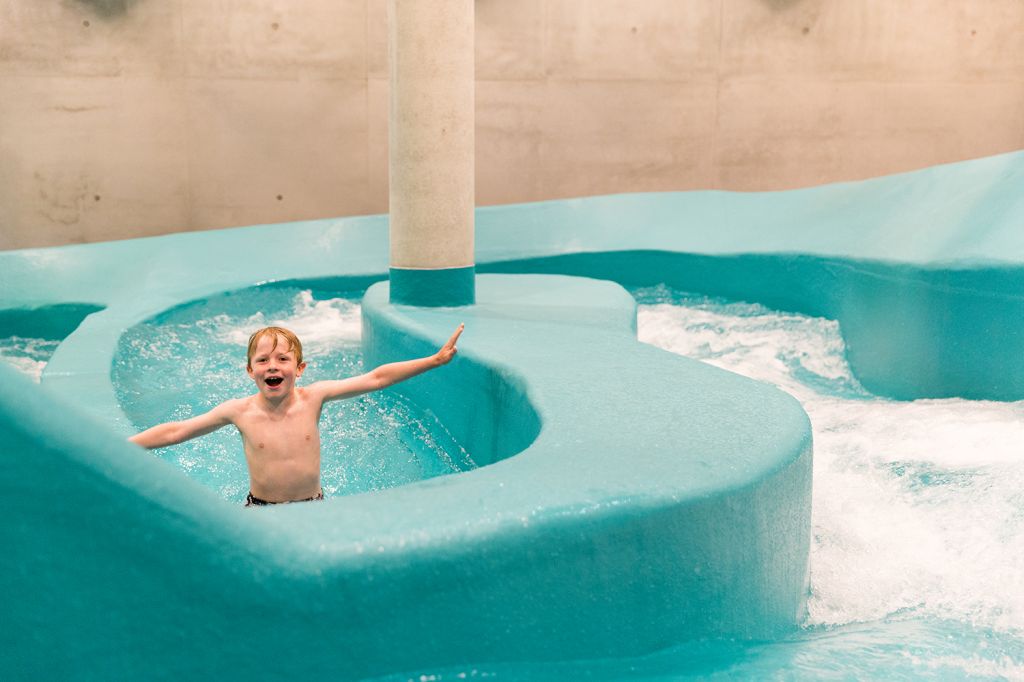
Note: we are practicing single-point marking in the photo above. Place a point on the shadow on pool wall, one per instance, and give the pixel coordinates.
(656, 500)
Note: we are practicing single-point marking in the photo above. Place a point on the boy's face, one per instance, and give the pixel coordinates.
(273, 367)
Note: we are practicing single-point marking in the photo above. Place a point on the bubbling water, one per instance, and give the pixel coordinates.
(321, 325)
(193, 358)
(918, 507)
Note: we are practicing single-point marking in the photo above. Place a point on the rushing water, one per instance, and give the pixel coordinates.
(27, 355)
(193, 358)
(918, 507)
(917, 558)
(922, 501)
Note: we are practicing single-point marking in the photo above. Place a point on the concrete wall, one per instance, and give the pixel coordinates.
(123, 118)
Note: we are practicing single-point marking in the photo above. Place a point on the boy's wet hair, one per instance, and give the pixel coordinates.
(293, 342)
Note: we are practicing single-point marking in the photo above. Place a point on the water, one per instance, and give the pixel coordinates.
(922, 501)
(193, 358)
(917, 557)
(27, 355)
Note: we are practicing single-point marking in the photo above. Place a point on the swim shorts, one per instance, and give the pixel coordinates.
(253, 501)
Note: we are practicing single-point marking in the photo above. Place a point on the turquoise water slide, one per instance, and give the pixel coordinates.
(632, 499)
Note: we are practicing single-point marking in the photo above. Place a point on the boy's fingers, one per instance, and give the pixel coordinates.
(455, 336)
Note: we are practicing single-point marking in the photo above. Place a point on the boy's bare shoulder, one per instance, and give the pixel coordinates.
(308, 390)
(313, 391)
(233, 407)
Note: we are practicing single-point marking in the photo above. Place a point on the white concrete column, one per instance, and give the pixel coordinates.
(431, 138)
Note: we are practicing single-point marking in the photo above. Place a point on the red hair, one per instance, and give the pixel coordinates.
(293, 342)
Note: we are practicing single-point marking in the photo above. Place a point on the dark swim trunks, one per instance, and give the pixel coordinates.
(253, 501)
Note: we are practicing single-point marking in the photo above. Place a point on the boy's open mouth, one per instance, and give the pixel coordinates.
(274, 381)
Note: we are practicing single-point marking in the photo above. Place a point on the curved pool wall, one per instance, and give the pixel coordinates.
(924, 271)
(623, 524)
(656, 499)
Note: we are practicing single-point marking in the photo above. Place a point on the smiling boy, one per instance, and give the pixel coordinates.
(280, 422)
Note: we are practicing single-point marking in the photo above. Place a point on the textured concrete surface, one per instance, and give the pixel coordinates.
(127, 119)
(431, 134)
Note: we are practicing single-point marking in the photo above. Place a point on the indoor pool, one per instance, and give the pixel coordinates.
(917, 560)
(192, 358)
(918, 516)
(617, 510)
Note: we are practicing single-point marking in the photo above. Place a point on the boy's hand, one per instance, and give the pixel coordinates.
(448, 350)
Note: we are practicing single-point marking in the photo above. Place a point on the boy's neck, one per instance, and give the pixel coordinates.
(277, 403)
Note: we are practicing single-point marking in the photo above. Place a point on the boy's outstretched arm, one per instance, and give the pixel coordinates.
(172, 433)
(388, 374)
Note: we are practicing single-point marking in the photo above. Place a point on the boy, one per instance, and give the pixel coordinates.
(280, 422)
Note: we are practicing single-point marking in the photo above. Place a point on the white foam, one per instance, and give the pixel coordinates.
(27, 355)
(917, 505)
(27, 366)
(973, 667)
(320, 325)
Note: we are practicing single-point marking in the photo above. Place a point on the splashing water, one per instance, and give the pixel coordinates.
(917, 556)
(27, 355)
(916, 506)
(189, 360)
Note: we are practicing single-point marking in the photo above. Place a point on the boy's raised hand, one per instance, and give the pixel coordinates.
(448, 350)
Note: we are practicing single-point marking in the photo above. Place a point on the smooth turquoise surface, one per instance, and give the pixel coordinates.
(543, 554)
(433, 287)
(656, 500)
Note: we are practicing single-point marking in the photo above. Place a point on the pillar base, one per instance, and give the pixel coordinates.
(433, 287)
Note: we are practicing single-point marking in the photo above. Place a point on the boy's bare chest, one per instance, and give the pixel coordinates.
(293, 430)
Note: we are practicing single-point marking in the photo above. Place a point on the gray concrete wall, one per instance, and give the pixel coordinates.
(123, 118)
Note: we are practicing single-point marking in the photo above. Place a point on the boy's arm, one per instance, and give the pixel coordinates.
(388, 374)
(172, 433)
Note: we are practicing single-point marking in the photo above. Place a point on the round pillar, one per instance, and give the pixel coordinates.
(431, 142)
